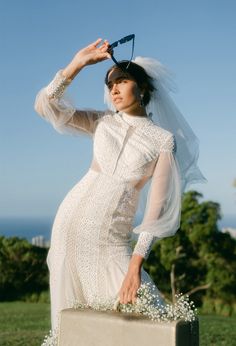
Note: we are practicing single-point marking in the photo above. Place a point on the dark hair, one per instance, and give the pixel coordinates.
(144, 81)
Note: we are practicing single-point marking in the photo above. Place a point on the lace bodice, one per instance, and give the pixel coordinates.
(130, 148)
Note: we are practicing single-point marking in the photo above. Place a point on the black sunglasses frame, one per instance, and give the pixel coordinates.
(121, 41)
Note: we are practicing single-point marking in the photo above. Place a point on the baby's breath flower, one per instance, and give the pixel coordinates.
(148, 304)
(51, 339)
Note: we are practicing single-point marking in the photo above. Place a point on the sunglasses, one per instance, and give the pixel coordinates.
(121, 41)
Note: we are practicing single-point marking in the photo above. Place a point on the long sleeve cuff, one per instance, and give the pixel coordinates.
(144, 244)
(57, 86)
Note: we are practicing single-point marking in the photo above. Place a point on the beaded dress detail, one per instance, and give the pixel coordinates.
(92, 232)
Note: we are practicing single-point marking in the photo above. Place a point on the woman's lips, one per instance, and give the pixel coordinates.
(118, 99)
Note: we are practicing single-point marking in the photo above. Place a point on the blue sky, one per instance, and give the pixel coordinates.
(195, 39)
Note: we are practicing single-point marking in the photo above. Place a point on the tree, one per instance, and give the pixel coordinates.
(23, 268)
(199, 259)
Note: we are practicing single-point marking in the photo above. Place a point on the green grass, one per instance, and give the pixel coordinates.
(217, 330)
(23, 324)
(26, 324)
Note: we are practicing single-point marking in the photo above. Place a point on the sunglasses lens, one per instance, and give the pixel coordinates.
(128, 38)
(122, 51)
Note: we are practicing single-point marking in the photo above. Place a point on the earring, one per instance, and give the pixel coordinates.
(141, 100)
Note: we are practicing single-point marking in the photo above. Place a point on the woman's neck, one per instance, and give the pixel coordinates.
(137, 111)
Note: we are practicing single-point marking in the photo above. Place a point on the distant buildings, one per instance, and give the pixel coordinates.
(40, 241)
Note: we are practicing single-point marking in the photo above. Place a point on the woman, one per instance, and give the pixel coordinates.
(91, 258)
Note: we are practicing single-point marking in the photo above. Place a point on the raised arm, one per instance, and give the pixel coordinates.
(51, 102)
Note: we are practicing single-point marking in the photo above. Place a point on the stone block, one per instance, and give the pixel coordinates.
(87, 327)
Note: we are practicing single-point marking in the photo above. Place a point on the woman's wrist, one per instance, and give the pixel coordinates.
(136, 262)
(70, 71)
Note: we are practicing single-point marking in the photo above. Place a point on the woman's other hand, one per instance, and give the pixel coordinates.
(132, 281)
(92, 54)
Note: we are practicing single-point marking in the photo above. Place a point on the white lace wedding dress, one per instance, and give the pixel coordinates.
(92, 232)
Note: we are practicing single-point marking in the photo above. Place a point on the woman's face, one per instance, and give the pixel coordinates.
(124, 91)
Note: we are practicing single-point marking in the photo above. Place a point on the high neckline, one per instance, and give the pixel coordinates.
(134, 119)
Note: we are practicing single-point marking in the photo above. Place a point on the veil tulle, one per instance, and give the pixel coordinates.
(165, 114)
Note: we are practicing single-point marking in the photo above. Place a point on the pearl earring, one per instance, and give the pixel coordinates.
(141, 100)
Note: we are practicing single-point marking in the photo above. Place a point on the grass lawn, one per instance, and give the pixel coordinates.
(26, 324)
(217, 330)
(23, 324)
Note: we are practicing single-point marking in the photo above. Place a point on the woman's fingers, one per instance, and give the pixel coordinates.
(102, 47)
(129, 288)
(99, 50)
(123, 294)
(129, 295)
(134, 297)
(96, 43)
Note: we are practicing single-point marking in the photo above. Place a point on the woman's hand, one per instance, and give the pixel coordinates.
(92, 54)
(132, 281)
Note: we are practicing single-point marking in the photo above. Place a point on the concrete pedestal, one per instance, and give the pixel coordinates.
(86, 327)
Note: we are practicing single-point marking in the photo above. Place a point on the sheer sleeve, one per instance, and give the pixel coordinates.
(54, 106)
(163, 207)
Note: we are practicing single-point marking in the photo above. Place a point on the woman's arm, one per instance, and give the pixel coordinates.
(161, 218)
(163, 207)
(51, 102)
(132, 280)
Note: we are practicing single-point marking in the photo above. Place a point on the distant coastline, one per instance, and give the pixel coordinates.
(26, 228)
(29, 228)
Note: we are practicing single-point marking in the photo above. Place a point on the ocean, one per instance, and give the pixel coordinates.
(29, 228)
(26, 228)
